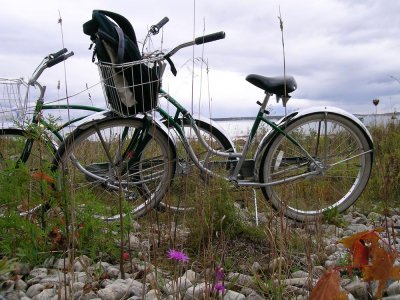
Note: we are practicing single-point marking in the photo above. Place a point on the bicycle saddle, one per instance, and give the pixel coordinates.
(274, 85)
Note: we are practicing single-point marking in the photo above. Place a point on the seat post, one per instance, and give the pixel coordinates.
(265, 102)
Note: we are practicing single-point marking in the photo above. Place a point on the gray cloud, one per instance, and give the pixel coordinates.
(341, 52)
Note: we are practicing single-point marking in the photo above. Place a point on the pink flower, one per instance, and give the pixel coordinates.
(125, 256)
(177, 255)
(219, 287)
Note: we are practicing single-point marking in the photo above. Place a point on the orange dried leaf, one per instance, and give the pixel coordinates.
(360, 254)
(381, 268)
(395, 273)
(42, 176)
(55, 235)
(328, 287)
(360, 245)
(370, 236)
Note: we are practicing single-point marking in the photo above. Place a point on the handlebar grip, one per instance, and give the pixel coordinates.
(209, 38)
(156, 28)
(58, 53)
(162, 22)
(58, 59)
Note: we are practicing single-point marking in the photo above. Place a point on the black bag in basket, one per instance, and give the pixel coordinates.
(135, 87)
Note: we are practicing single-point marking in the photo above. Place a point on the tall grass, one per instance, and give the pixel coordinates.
(220, 231)
(382, 193)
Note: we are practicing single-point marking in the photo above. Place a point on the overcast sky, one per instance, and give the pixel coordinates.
(342, 52)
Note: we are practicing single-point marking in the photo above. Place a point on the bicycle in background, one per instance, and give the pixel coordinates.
(30, 140)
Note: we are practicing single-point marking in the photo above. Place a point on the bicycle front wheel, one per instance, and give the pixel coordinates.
(189, 179)
(339, 149)
(25, 163)
(117, 159)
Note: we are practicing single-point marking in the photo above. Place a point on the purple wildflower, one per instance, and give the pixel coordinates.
(219, 274)
(219, 279)
(177, 255)
(219, 287)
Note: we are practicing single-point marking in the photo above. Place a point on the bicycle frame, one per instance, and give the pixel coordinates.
(38, 120)
(241, 156)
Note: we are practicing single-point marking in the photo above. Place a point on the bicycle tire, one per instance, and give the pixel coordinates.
(337, 187)
(25, 166)
(188, 177)
(12, 150)
(99, 159)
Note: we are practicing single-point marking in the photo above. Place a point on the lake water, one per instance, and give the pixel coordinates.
(240, 127)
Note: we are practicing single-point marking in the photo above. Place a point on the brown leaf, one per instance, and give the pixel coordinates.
(57, 239)
(328, 287)
(360, 245)
(360, 254)
(42, 176)
(381, 268)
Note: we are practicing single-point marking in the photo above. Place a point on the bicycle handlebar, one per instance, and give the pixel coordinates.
(156, 28)
(209, 38)
(49, 61)
(61, 57)
(57, 54)
(197, 41)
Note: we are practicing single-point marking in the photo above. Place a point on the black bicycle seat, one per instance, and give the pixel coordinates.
(274, 85)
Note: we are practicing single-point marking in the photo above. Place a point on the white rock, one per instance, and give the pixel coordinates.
(190, 275)
(373, 216)
(232, 295)
(47, 294)
(34, 290)
(299, 274)
(357, 227)
(241, 279)
(38, 272)
(275, 264)
(62, 263)
(196, 292)
(81, 263)
(121, 288)
(134, 242)
(358, 289)
(330, 249)
(20, 285)
(256, 267)
(180, 285)
(81, 277)
(152, 295)
(137, 288)
(113, 272)
(394, 288)
(78, 286)
(300, 282)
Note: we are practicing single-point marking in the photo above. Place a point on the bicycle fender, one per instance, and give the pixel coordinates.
(217, 126)
(300, 114)
(86, 122)
(96, 117)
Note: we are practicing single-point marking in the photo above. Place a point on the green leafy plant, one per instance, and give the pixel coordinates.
(7, 265)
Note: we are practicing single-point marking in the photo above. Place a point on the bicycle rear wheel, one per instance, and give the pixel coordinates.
(115, 159)
(334, 142)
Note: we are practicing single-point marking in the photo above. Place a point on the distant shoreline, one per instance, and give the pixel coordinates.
(278, 117)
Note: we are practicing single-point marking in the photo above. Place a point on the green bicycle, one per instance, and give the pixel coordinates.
(310, 161)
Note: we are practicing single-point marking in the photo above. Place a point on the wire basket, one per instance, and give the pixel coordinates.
(131, 88)
(13, 100)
